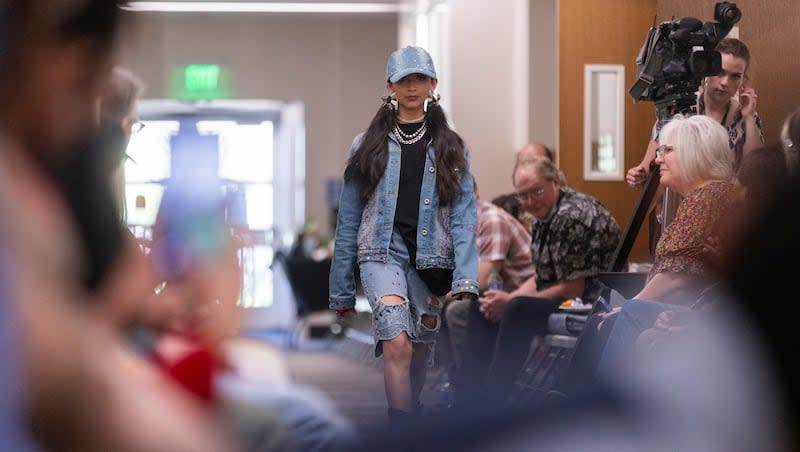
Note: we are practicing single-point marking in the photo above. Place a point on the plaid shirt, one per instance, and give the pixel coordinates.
(501, 237)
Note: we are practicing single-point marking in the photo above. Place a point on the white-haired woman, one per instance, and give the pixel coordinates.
(695, 161)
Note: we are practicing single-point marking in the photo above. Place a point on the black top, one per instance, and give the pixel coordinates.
(412, 167)
(406, 215)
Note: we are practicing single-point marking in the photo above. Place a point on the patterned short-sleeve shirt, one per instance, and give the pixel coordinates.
(578, 239)
(681, 248)
(501, 237)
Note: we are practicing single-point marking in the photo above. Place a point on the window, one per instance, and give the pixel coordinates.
(604, 122)
(148, 165)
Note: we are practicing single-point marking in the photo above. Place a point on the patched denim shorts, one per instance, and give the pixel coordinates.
(399, 277)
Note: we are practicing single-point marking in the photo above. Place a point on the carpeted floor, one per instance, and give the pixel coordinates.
(343, 368)
(355, 388)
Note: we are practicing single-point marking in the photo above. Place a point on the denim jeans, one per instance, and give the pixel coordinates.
(583, 365)
(635, 317)
(456, 318)
(399, 277)
(494, 353)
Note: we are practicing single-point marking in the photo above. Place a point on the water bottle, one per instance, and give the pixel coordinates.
(495, 281)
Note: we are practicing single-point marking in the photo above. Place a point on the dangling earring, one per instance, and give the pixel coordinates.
(432, 98)
(390, 101)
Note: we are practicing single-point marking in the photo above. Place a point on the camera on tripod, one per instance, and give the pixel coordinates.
(676, 56)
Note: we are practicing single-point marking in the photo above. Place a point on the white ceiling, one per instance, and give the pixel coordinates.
(338, 6)
(389, 2)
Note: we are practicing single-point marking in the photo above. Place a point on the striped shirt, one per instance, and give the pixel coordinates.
(501, 237)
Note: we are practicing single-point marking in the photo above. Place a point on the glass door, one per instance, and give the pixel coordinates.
(245, 160)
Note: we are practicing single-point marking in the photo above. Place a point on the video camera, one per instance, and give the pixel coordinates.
(676, 56)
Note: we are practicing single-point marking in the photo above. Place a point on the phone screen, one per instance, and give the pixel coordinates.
(190, 226)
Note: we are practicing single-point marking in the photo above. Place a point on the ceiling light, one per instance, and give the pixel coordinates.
(262, 7)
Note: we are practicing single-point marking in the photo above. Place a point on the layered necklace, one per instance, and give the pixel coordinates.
(410, 138)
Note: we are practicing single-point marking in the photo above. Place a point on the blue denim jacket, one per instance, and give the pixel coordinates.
(445, 235)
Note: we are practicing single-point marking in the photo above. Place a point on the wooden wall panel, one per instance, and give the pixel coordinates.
(603, 32)
(770, 29)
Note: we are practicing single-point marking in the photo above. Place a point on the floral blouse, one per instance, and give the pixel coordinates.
(681, 246)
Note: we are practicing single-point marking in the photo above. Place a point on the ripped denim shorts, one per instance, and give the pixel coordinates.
(399, 277)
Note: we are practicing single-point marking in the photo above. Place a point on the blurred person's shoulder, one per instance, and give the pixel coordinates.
(38, 229)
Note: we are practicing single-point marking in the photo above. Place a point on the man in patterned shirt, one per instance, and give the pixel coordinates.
(574, 239)
(504, 246)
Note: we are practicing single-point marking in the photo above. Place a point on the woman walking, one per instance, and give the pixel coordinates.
(407, 217)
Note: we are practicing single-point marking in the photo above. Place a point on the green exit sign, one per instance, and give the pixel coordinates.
(201, 77)
(201, 82)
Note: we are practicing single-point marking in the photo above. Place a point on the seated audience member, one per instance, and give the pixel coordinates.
(202, 286)
(127, 287)
(185, 329)
(504, 247)
(536, 150)
(78, 386)
(510, 203)
(119, 120)
(696, 163)
(93, 181)
(761, 175)
(573, 240)
(528, 153)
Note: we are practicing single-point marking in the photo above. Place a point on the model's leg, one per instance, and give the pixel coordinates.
(397, 353)
(386, 289)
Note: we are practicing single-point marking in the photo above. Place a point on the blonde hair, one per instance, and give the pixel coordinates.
(122, 90)
(701, 146)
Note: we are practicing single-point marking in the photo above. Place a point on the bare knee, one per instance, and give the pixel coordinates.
(392, 299)
(398, 350)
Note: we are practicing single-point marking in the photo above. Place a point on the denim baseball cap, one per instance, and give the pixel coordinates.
(409, 60)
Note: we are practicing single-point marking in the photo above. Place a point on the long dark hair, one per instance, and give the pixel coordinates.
(368, 162)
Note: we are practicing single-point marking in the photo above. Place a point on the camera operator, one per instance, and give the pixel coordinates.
(717, 99)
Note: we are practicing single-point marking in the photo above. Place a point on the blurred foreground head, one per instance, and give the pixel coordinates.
(56, 63)
(56, 59)
(764, 278)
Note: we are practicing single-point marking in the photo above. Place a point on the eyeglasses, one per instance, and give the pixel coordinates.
(663, 150)
(530, 194)
(137, 126)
